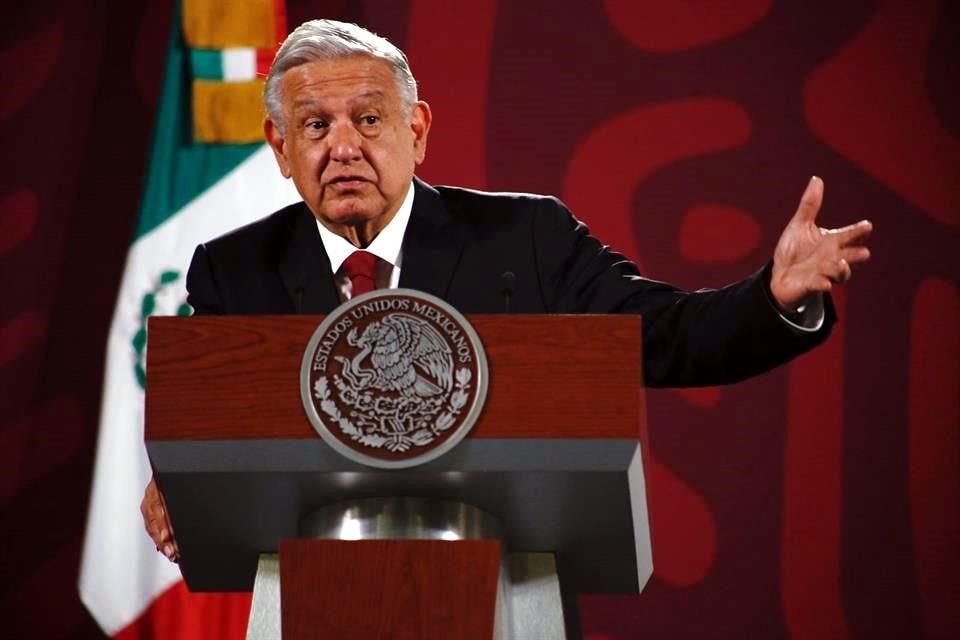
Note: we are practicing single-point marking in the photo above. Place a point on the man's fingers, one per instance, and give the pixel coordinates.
(810, 201)
(159, 530)
(152, 507)
(855, 255)
(148, 506)
(841, 271)
(157, 523)
(155, 509)
(851, 234)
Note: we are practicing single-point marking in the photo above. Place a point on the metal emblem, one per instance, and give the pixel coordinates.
(393, 378)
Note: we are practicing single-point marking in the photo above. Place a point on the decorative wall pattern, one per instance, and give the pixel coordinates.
(818, 501)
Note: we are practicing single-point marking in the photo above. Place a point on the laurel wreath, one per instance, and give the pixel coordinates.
(402, 442)
(148, 305)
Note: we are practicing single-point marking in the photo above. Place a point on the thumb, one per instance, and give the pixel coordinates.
(810, 201)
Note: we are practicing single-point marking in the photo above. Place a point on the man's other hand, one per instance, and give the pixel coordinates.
(153, 508)
(809, 259)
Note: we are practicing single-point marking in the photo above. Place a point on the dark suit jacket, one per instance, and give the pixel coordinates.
(458, 245)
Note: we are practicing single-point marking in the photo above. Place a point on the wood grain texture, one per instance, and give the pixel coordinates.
(388, 589)
(238, 377)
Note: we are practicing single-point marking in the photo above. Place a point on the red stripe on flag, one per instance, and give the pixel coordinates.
(280, 19)
(264, 60)
(265, 56)
(178, 613)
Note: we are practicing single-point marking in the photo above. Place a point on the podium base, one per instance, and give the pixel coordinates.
(404, 568)
(264, 622)
(532, 600)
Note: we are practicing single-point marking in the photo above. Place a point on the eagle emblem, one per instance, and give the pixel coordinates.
(406, 354)
(393, 374)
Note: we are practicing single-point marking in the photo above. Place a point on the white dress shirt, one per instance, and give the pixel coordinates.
(388, 246)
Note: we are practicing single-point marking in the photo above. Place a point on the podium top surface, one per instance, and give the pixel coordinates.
(551, 376)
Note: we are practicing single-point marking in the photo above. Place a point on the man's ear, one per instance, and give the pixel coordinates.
(275, 139)
(420, 119)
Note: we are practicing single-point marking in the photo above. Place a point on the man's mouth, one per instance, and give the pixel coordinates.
(346, 183)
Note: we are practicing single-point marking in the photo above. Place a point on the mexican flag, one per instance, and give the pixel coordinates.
(194, 191)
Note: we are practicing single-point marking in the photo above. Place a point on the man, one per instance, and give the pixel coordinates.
(345, 123)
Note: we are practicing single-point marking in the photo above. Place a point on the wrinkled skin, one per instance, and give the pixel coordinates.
(153, 508)
(809, 259)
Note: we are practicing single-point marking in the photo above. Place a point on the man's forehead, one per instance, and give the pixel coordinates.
(357, 68)
(366, 97)
(355, 79)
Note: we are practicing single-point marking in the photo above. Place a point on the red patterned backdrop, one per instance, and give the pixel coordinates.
(819, 501)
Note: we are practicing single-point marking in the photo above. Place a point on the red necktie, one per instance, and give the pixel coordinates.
(361, 268)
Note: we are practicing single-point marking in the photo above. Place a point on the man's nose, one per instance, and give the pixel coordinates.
(345, 142)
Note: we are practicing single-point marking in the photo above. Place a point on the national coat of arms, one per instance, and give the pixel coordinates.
(393, 378)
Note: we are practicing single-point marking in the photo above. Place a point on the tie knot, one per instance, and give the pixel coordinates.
(361, 268)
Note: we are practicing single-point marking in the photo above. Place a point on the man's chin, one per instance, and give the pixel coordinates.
(353, 221)
(349, 217)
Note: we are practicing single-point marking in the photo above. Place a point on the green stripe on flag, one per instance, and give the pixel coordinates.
(180, 169)
(206, 64)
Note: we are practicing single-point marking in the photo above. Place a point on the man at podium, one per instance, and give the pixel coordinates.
(346, 125)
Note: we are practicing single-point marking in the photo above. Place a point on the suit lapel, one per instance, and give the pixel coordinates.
(305, 268)
(432, 243)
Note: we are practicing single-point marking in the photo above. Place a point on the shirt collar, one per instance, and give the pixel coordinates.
(386, 246)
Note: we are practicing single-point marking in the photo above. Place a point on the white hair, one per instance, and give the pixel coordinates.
(328, 40)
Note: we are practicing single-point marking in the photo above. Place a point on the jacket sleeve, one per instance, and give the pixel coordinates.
(202, 290)
(706, 337)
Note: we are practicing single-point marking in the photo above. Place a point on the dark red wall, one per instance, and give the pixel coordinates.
(819, 501)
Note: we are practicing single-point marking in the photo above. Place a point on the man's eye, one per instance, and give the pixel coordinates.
(317, 125)
(370, 120)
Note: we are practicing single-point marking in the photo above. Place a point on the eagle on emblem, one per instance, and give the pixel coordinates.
(407, 355)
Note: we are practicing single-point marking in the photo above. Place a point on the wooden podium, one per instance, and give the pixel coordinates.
(554, 461)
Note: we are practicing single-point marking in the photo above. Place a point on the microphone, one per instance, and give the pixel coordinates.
(507, 279)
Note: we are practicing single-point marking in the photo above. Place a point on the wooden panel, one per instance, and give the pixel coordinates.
(217, 377)
(388, 589)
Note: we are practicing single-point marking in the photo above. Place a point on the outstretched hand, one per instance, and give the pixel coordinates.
(153, 508)
(809, 259)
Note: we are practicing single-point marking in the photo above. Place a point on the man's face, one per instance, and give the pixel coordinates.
(347, 142)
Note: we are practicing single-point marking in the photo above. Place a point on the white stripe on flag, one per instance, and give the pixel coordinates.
(121, 572)
(239, 64)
